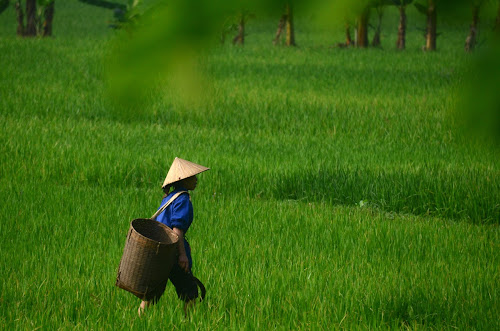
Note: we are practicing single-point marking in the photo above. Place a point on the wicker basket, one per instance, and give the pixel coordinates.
(148, 257)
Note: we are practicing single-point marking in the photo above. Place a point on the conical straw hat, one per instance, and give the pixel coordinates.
(181, 169)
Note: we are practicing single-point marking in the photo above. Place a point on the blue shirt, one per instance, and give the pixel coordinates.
(179, 214)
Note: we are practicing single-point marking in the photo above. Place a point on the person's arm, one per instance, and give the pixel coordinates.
(183, 260)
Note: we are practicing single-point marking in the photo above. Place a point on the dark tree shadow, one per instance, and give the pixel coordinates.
(473, 195)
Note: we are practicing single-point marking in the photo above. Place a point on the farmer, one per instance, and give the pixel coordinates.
(179, 216)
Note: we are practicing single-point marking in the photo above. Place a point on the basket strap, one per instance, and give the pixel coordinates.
(155, 215)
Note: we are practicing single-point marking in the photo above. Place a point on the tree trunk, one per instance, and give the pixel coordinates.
(240, 37)
(362, 32)
(430, 44)
(401, 42)
(30, 18)
(20, 19)
(348, 39)
(378, 29)
(281, 26)
(471, 40)
(48, 14)
(290, 31)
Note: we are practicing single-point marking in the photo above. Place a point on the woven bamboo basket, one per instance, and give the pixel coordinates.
(148, 257)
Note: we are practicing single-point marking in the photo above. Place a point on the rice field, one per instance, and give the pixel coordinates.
(342, 191)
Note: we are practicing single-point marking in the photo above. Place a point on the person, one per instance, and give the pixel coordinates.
(179, 216)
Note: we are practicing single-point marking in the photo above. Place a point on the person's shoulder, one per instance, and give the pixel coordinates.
(183, 196)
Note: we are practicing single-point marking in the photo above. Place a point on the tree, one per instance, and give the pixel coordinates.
(239, 39)
(37, 23)
(20, 19)
(429, 9)
(431, 30)
(401, 42)
(348, 39)
(362, 30)
(228, 27)
(356, 14)
(379, 8)
(236, 22)
(281, 26)
(290, 28)
(286, 21)
(471, 40)
(48, 14)
(401, 4)
(30, 18)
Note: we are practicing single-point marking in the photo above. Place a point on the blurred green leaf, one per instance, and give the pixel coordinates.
(479, 104)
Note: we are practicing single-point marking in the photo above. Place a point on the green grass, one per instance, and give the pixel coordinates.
(342, 194)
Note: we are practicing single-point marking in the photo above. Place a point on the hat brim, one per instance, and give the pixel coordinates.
(182, 169)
